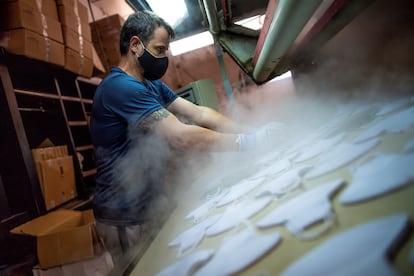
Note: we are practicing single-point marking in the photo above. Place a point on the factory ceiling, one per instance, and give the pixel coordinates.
(185, 16)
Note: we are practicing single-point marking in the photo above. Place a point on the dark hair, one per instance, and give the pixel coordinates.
(141, 24)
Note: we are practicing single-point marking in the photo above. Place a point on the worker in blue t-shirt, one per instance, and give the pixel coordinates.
(134, 124)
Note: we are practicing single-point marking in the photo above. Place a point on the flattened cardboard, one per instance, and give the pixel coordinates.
(58, 181)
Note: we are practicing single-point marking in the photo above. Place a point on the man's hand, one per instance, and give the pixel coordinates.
(260, 137)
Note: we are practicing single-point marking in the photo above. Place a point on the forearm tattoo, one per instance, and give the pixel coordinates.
(155, 117)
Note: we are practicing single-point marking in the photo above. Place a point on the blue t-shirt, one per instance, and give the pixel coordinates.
(129, 159)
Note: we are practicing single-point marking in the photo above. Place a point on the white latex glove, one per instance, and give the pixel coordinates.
(260, 137)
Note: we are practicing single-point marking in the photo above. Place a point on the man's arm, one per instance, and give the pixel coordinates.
(205, 116)
(186, 136)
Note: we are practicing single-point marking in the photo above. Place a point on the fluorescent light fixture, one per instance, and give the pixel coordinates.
(254, 22)
(191, 43)
(288, 74)
(171, 11)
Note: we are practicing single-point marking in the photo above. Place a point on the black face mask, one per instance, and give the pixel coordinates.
(154, 67)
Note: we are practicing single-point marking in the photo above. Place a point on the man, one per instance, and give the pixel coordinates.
(134, 125)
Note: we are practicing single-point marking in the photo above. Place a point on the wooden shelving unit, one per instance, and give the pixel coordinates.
(39, 101)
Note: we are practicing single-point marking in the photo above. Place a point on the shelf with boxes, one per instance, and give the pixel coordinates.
(57, 32)
(49, 103)
(48, 56)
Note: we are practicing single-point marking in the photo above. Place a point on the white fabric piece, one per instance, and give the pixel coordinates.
(193, 236)
(393, 106)
(268, 158)
(320, 213)
(395, 123)
(409, 146)
(306, 141)
(303, 210)
(236, 214)
(187, 265)
(272, 169)
(238, 190)
(285, 183)
(382, 174)
(318, 148)
(203, 210)
(340, 156)
(361, 250)
(239, 251)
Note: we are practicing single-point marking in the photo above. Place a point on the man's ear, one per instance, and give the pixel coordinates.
(134, 44)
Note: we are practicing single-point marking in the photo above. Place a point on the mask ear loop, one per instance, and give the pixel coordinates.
(327, 222)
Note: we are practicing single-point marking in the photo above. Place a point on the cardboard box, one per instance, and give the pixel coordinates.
(105, 38)
(25, 14)
(55, 171)
(80, 65)
(86, 31)
(99, 265)
(74, 15)
(108, 24)
(68, 18)
(47, 152)
(62, 236)
(49, 8)
(46, 7)
(83, 12)
(77, 42)
(58, 181)
(33, 45)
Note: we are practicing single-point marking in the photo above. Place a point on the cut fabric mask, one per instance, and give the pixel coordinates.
(388, 108)
(239, 251)
(340, 156)
(395, 123)
(409, 146)
(285, 183)
(354, 253)
(320, 147)
(236, 214)
(188, 264)
(382, 174)
(273, 169)
(304, 210)
(190, 238)
(203, 210)
(239, 190)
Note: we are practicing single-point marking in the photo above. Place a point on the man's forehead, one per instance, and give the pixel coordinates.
(160, 37)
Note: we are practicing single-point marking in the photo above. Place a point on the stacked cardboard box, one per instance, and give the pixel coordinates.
(32, 28)
(105, 38)
(77, 36)
(56, 175)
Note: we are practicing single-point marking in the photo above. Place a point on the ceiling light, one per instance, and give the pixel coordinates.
(191, 43)
(254, 22)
